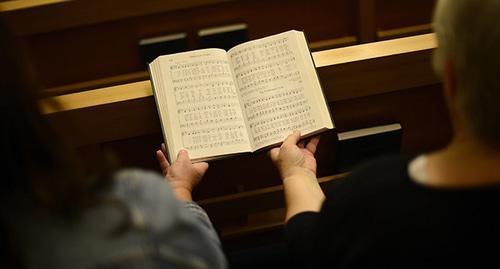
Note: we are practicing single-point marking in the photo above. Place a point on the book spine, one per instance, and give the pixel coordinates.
(169, 158)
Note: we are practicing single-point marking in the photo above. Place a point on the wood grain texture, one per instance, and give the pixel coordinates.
(404, 31)
(366, 21)
(394, 14)
(18, 5)
(77, 44)
(355, 60)
(107, 49)
(57, 15)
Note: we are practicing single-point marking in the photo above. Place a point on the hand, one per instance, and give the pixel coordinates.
(297, 167)
(183, 175)
(295, 160)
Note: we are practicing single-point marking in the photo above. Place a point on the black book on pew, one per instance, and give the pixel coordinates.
(218, 103)
(357, 146)
(153, 47)
(223, 37)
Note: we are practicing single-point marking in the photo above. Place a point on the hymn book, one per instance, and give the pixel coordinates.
(216, 103)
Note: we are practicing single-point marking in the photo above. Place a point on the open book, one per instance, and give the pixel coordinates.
(216, 103)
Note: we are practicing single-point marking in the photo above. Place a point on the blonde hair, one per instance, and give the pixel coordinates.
(468, 33)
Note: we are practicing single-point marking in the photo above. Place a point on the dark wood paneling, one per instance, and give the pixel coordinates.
(393, 14)
(83, 44)
(63, 14)
(421, 111)
(111, 48)
(366, 21)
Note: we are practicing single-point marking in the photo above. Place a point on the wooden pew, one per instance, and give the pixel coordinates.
(80, 45)
(393, 21)
(365, 85)
(76, 35)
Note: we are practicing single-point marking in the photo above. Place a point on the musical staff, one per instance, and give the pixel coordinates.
(260, 52)
(272, 90)
(212, 137)
(264, 63)
(208, 109)
(205, 92)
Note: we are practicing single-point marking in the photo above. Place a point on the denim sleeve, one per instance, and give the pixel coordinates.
(176, 234)
(200, 214)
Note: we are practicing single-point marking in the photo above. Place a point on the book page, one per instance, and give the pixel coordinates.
(279, 88)
(203, 109)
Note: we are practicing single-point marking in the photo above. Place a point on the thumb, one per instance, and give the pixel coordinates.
(201, 168)
(292, 139)
(274, 153)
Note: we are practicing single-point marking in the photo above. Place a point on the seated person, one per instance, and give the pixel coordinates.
(53, 216)
(436, 210)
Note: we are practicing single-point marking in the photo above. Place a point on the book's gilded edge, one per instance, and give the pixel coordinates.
(319, 80)
(169, 158)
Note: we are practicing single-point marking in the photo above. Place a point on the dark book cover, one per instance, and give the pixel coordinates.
(224, 37)
(161, 45)
(358, 146)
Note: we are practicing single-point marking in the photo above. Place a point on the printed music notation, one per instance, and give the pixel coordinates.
(273, 127)
(213, 137)
(260, 52)
(200, 70)
(272, 90)
(205, 92)
(255, 107)
(217, 103)
(269, 116)
(271, 111)
(262, 64)
(208, 108)
(202, 115)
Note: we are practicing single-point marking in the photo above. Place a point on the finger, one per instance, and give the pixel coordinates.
(162, 160)
(164, 148)
(201, 168)
(293, 138)
(273, 153)
(183, 156)
(312, 146)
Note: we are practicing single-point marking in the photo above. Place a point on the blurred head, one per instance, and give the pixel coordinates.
(36, 165)
(468, 59)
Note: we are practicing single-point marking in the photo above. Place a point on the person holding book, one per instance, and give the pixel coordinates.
(436, 210)
(55, 215)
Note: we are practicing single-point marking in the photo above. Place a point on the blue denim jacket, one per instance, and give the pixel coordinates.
(162, 232)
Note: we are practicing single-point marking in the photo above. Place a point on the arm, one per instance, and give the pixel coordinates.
(183, 176)
(297, 167)
(159, 221)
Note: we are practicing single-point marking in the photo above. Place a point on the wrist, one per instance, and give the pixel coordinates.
(298, 172)
(302, 193)
(182, 194)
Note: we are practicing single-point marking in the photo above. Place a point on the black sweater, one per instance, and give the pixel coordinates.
(379, 218)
